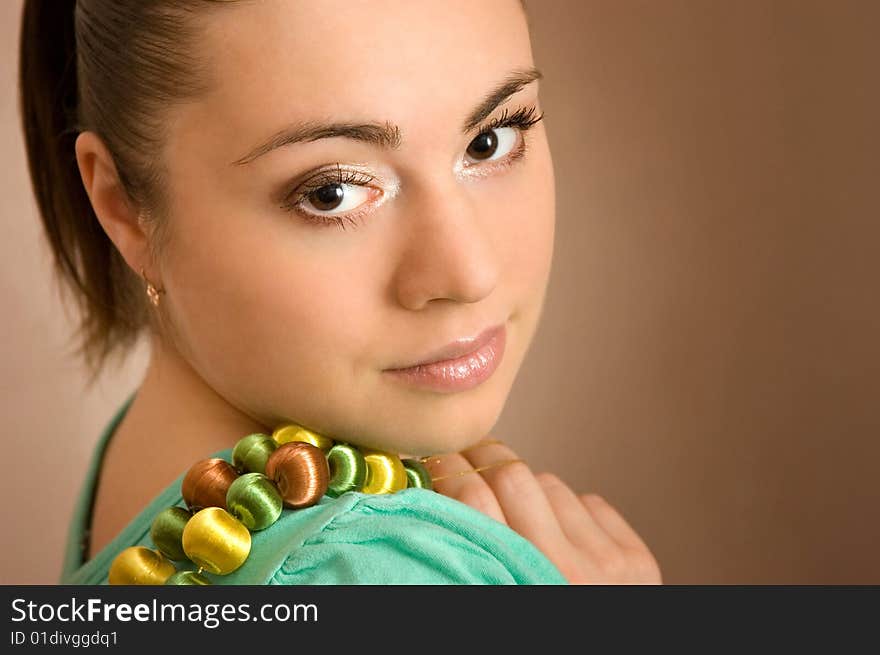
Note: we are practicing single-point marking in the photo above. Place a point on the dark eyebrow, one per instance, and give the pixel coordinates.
(387, 135)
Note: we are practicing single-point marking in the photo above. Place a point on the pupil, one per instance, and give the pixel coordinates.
(328, 196)
(483, 146)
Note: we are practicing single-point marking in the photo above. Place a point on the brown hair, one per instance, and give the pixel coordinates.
(113, 68)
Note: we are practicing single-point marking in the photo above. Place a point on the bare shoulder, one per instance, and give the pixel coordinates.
(130, 477)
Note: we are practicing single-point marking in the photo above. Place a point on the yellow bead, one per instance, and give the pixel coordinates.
(293, 432)
(385, 472)
(140, 565)
(216, 541)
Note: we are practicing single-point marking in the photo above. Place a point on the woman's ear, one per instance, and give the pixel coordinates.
(120, 220)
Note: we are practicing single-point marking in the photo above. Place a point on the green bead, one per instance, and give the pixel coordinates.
(348, 469)
(167, 532)
(254, 500)
(187, 578)
(251, 452)
(417, 475)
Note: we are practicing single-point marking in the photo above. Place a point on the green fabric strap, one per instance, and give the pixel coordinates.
(75, 549)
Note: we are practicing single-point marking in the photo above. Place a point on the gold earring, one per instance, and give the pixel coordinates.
(152, 291)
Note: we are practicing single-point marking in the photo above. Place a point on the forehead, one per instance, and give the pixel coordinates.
(274, 62)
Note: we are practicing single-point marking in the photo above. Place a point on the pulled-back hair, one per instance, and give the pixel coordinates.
(113, 67)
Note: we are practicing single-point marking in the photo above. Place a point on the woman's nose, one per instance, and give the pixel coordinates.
(448, 251)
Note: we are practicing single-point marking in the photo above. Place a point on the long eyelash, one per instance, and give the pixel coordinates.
(523, 118)
(336, 176)
(321, 179)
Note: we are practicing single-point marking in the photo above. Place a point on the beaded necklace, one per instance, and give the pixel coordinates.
(293, 468)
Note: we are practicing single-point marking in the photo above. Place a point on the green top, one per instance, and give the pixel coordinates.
(414, 536)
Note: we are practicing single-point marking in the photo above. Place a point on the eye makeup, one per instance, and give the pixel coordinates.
(521, 119)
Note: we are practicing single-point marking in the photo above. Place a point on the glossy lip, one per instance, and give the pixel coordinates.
(460, 365)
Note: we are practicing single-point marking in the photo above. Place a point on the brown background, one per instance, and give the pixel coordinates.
(709, 357)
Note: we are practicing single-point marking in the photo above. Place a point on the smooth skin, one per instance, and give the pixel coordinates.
(269, 317)
(587, 539)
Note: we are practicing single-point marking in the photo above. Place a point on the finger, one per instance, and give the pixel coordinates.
(576, 520)
(612, 522)
(452, 475)
(519, 494)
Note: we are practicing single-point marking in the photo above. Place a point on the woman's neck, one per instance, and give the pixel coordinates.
(175, 420)
(177, 413)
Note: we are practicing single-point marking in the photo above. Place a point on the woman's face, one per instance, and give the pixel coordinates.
(293, 319)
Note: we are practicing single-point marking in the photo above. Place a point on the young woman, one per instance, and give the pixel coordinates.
(338, 215)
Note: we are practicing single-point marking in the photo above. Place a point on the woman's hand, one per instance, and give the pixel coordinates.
(584, 536)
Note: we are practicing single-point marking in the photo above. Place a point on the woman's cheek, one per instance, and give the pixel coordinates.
(529, 244)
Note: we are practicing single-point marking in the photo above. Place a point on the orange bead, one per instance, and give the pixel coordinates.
(300, 471)
(206, 483)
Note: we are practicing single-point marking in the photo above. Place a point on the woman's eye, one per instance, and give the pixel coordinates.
(491, 145)
(347, 196)
(337, 198)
